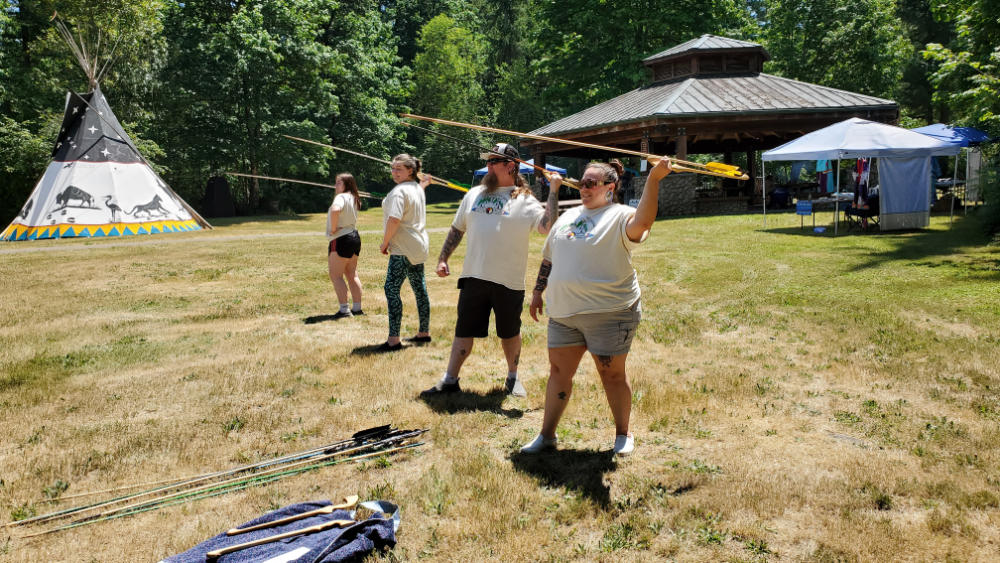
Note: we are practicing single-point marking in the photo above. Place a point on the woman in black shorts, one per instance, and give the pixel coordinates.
(345, 245)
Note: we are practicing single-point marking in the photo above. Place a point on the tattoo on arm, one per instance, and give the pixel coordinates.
(543, 276)
(551, 209)
(450, 244)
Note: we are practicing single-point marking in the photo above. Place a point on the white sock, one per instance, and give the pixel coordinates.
(449, 378)
(356, 306)
(344, 308)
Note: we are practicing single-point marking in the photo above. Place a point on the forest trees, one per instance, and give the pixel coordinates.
(237, 76)
(208, 87)
(447, 69)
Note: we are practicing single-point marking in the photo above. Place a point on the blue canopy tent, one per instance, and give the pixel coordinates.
(963, 137)
(524, 169)
(904, 164)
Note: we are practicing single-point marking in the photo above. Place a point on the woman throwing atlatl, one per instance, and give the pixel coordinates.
(593, 295)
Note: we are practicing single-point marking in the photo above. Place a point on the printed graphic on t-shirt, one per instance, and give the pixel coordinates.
(580, 229)
(492, 204)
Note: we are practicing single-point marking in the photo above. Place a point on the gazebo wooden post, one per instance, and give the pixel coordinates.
(539, 157)
(752, 172)
(682, 143)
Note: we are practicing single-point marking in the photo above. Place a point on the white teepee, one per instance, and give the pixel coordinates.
(98, 184)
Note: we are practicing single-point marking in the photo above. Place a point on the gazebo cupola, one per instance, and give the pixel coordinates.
(707, 55)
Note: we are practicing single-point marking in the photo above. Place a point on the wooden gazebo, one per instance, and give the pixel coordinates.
(708, 95)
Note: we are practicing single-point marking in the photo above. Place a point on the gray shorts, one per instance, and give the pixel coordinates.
(604, 334)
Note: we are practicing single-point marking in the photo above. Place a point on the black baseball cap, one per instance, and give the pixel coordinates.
(501, 149)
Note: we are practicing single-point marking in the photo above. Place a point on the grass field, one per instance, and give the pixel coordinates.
(796, 397)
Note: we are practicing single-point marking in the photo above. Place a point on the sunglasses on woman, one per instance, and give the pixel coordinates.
(591, 183)
(496, 160)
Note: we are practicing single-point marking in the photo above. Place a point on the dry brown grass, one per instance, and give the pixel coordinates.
(796, 397)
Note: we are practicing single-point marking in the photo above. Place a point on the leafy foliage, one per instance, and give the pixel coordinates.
(590, 51)
(207, 87)
(446, 83)
(854, 45)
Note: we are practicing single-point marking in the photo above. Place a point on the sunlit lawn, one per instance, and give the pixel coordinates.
(796, 396)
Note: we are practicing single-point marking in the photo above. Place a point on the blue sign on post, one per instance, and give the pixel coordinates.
(803, 208)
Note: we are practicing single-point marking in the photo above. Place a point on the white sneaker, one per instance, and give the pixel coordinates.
(539, 444)
(624, 445)
(515, 388)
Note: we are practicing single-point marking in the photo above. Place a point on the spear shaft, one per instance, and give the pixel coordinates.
(384, 434)
(245, 483)
(279, 179)
(491, 151)
(434, 179)
(712, 168)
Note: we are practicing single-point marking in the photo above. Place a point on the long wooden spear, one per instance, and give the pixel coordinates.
(380, 436)
(276, 178)
(712, 168)
(254, 480)
(565, 181)
(214, 486)
(434, 179)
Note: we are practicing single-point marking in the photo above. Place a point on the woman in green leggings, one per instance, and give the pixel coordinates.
(405, 241)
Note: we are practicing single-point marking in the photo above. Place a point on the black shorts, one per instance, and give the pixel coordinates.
(475, 301)
(346, 246)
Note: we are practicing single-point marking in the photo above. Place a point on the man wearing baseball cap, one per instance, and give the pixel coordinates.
(498, 216)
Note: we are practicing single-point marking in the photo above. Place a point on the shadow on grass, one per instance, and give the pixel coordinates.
(468, 401)
(376, 349)
(828, 233)
(933, 248)
(576, 470)
(320, 319)
(942, 248)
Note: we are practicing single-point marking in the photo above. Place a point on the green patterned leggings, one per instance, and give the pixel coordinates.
(399, 269)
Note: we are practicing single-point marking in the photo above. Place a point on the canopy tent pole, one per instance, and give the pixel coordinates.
(836, 202)
(763, 185)
(954, 174)
(965, 192)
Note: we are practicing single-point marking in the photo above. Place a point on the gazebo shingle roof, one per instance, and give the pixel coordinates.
(718, 95)
(708, 95)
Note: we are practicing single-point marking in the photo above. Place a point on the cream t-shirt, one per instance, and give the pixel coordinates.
(406, 202)
(348, 218)
(497, 229)
(591, 262)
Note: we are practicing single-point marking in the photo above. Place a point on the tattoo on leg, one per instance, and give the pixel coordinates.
(462, 352)
(562, 395)
(605, 361)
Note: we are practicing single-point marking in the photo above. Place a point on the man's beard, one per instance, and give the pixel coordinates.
(490, 181)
